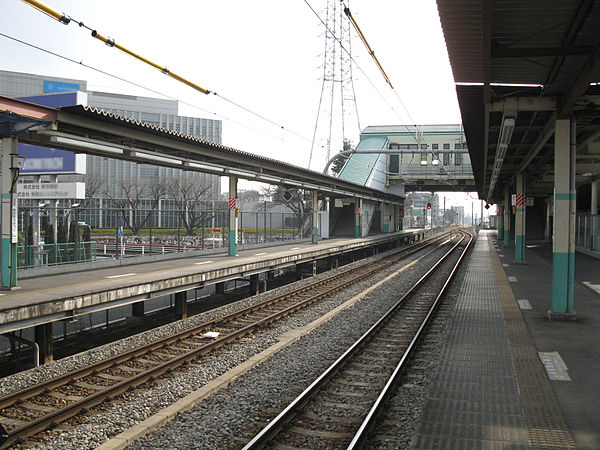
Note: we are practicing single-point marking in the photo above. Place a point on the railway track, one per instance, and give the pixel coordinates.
(44, 405)
(340, 408)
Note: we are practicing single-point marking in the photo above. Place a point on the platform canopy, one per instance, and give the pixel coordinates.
(82, 129)
(518, 66)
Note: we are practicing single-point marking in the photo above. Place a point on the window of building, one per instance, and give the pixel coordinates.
(435, 161)
(423, 146)
(435, 146)
(446, 146)
(423, 159)
(457, 146)
(458, 159)
(446, 159)
(394, 164)
(413, 146)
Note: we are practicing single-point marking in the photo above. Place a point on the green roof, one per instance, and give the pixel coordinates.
(359, 166)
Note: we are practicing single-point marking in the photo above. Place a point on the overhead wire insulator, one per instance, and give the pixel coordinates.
(369, 49)
(111, 43)
(49, 11)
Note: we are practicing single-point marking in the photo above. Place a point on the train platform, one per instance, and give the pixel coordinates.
(508, 376)
(63, 297)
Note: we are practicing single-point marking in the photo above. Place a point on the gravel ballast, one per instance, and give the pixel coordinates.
(217, 421)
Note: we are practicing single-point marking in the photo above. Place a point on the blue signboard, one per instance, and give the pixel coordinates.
(59, 86)
(44, 160)
(53, 101)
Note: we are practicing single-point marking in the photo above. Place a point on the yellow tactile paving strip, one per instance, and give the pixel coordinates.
(545, 422)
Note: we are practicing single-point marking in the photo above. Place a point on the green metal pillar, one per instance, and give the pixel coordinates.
(315, 217)
(9, 213)
(563, 258)
(357, 212)
(520, 220)
(233, 216)
(594, 215)
(507, 208)
(385, 226)
(500, 222)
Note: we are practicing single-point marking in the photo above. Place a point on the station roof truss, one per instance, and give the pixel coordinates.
(82, 129)
(518, 66)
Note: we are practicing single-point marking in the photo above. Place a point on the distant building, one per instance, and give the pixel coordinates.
(409, 158)
(112, 172)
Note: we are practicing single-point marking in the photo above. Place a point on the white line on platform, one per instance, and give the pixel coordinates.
(259, 254)
(524, 304)
(122, 275)
(505, 265)
(295, 248)
(592, 286)
(512, 279)
(555, 366)
(203, 262)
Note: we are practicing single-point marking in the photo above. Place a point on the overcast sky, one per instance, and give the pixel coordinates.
(265, 55)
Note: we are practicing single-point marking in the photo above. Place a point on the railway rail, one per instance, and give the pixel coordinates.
(341, 406)
(44, 405)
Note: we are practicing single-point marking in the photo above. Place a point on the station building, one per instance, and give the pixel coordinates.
(414, 161)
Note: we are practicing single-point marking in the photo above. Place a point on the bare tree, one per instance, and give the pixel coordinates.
(94, 184)
(297, 200)
(191, 196)
(132, 195)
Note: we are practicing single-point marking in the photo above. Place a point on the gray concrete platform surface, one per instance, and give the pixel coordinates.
(509, 377)
(58, 297)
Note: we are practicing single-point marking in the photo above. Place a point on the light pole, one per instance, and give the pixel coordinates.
(444, 216)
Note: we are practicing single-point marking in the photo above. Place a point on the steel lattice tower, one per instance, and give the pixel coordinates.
(337, 114)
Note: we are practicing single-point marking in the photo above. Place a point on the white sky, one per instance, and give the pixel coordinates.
(265, 55)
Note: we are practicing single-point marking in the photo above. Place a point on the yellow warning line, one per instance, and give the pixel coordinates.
(546, 425)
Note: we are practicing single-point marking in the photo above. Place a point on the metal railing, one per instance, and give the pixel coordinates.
(587, 231)
(29, 256)
(99, 233)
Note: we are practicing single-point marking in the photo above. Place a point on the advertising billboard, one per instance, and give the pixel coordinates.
(44, 160)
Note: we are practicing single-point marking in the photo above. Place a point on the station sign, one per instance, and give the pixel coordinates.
(521, 200)
(51, 191)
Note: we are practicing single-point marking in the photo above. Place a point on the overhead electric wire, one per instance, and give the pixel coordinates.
(133, 83)
(364, 39)
(371, 52)
(63, 18)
